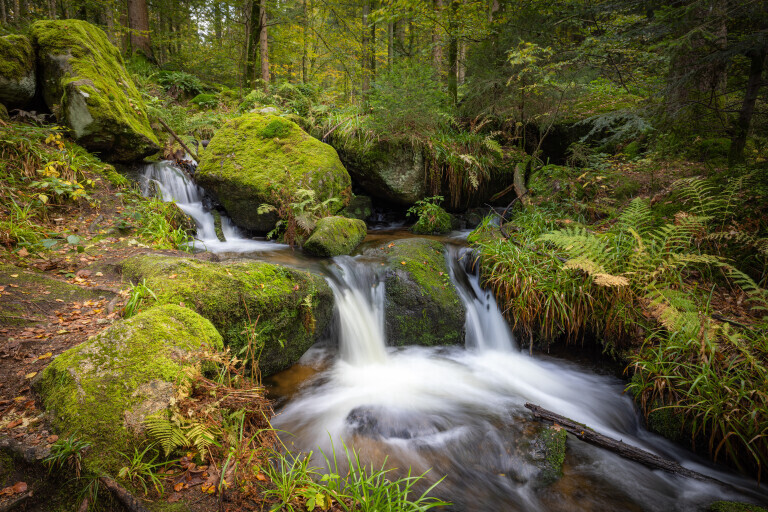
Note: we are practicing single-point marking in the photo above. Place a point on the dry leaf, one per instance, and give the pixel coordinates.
(179, 486)
(30, 375)
(46, 355)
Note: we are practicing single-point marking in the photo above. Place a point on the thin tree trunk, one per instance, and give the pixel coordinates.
(305, 45)
(453, 54)
(372, 50)
(437, 40)
(217, 22)
(3, 13)
(462, 63)
(399, 35)
(125, 39)
(16, 11)
(364, 57)
(263, 48)
(739, 139)
(138, 19)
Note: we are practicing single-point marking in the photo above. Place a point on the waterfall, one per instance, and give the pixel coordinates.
(175, 185)
(460, 412)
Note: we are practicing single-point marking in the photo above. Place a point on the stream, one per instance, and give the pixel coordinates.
(456, 412)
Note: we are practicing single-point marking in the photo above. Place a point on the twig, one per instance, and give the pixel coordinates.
(178, 139)
(129, 501)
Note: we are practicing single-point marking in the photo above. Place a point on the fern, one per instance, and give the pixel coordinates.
(178, 432)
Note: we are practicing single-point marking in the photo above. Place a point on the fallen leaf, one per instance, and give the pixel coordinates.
(45, 356)
(19, 487)
(14, 424)
(179, 486)
(173, 276)
(30, 375)
(261, 477)
(402, 263)
(14, 275)
(52, 439)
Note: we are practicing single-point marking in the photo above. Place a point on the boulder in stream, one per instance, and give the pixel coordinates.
(260, 159)
(422, 305)
(102, 390)
(85, 84)
(18, 80)
(335, 236)
(259, 308)
(359, 207)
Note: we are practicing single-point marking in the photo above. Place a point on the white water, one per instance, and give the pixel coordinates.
(460, 413)
(175, 185)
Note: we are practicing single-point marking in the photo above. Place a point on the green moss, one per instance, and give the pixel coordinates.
(733, 506)
(423, 305)
(82, 68)
(286, 308)
(205, 100)
(243, 169)
(554, 447)
(4, 113)
(277, 127)
(334, 236)
(17, 57)
(432, 221)
(90, 388)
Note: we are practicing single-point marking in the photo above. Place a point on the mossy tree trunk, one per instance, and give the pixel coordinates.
(757, 60)
(437, 39)
(364, 58)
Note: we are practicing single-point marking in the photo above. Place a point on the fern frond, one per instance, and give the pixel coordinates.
(635, 217)
(739, 237)
(674, 310)
(581, 244)
(758, 296)
(165, 432)
(493, 146)
(701, 196)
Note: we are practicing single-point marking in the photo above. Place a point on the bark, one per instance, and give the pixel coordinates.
(365, 58)
(462, 62)
(129, 501)
(138, 20)
(645, 458)
(263, 44)
(399, 35)
(125, 37)
(390, 43)
(437, 40)
(453, 54)
(217, 27)
(3, 13)
(372, 48)
(16, 10)
(756, 66)
(305, 45)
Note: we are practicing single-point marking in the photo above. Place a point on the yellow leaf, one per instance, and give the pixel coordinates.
(46, 355)
(30, 375)
(402, 263)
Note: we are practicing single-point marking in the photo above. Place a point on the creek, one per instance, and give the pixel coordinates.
(457, 412)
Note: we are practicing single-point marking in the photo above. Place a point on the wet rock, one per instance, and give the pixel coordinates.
(359, 207)
(259, 308)
(18, 79)
(335, 236)
(266, 159)
(85, 84)
(433, 221)
(548, 454)
(734, 506)
(422, 305)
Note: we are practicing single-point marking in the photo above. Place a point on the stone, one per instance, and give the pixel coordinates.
(334, 236)
(260, 159)
(18, 78)
(85, 84)
(359, 207)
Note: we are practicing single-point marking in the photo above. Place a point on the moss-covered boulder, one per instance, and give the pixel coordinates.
(335, 236)
(4, 113)
(266, 159)
(85, 84)
(548, 455)
(359, 207)
(391, 171)
(277, 311)
(18, 80)
(432, 221)
(103, 389)
(422, 305)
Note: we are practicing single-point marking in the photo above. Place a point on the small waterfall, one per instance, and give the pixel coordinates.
(359, 298)
(460, 413)
(175, 185)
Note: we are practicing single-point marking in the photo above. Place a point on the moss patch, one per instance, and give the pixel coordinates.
(92, 389)
(334, 236)
(17, 70)
(256, 157)
(433, 221)
(86, 85)
(423, 306)
(553, 439)
(359, 207)
(286, 308)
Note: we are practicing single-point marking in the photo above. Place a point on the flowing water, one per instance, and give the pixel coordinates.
(458, 412)
(175, 185)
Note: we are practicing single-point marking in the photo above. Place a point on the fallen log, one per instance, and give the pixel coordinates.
(633, 453)
(128, 500)
(178, 139)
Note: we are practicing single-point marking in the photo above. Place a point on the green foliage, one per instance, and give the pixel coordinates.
(180, 83)
(139, 294)
(156, 222)
(349, 484)
(205, 100)
(172, 432)
(143, 472)
(67, 452)
(432, 219)
(407, 100)
(298, 213)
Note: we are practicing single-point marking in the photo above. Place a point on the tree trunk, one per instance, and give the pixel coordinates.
(125, 37)
(16, 11)
(453, 54)
(462, 62)
(390, 43)
(437, 40)
(365, 60)
(372, 50)
(399, 32)
(253, 31)
(138, 20)
(738, 141)
(263, 48)
(3, 13)
(305, 45)
(217, 22)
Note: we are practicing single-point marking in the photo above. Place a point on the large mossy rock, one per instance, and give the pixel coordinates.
(359, 207)
(422, 305)
(85, 84)
(102, 390)
(266, 159)
(432, 221)
(18, 81)
(287, 309)
(390, 171)
(734, 506)
(335, 236)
